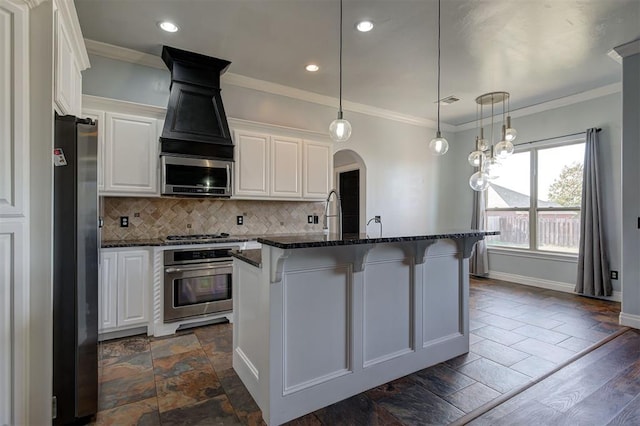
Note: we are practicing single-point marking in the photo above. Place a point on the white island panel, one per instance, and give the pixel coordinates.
(388, 314)
(316, 326)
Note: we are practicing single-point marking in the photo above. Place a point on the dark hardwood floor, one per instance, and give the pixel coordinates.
(518, 334)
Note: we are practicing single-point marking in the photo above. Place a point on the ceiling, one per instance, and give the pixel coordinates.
(538, 50)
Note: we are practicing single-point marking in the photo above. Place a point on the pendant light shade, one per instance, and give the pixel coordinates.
(438, 145)
(340, 129)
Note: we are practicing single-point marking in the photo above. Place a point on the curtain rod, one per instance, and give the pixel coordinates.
(555, 137)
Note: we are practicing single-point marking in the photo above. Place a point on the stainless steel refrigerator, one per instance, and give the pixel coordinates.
(75, 275)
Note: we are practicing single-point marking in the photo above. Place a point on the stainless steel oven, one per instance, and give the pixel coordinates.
(197, 282)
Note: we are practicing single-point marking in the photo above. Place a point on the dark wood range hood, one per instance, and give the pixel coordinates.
(196, 124)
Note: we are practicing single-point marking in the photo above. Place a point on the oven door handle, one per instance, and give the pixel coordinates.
(228, 179)
(197, 268)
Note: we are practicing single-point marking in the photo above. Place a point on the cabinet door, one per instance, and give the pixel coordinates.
(317, 170)
(133, 287)
(252, 164)
(286, 167)
(131, 159)
(108, 291)
(64, 87)
(99, 117)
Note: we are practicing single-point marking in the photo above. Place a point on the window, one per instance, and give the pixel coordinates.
(534, 199)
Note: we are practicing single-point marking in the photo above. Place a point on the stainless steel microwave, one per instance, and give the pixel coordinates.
(202, 177)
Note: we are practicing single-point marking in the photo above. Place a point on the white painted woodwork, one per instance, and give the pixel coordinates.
(131, 155)
(6, 322)
(133, 287)
(318, 325)
(286, 167)
(99, 117)
(388, 313)
(65, 86)
(252, 164)
(317, 168)
(14, 116)
(108, 291)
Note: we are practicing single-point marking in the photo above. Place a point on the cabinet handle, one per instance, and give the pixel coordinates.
(195, 268)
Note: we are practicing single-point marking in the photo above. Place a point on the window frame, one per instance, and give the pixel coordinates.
(533, 209)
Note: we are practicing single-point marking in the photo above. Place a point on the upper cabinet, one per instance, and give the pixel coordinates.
(128, 147)
(70, 59)
(270, 166)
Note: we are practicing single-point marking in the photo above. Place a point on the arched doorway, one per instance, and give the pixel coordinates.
(350, 175)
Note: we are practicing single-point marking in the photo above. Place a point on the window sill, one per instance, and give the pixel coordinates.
(532, 254)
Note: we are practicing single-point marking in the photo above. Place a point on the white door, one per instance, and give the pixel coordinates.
(131, 154)
(252, 164)
(286, 167)
(317, 170)
(108, 291)
(133, 273)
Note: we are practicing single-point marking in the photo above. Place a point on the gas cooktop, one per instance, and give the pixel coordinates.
(197, 237)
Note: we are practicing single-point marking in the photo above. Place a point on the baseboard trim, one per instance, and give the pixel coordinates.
(630, 320)
(548, 284)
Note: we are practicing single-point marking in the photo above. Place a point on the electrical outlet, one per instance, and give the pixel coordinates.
(614, 275)
(315, 218)
(377, 219)
(239, 220)
(310, 219)
(124, 221)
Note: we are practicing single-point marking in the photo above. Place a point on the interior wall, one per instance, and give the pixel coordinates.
(603, 112)
(402, 178)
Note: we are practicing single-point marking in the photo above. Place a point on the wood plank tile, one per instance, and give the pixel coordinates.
(499, 335)
(542, 334)
(494, 375)
(544, 350)
(533, 366)
(575, 344)
(501, 322)
(357, 410)
(581, 332)
(441, 379)
(538, 320)
(501, 354)
(472, 397)
(418, 406)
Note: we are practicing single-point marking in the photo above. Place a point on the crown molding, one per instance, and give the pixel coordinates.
(628, 49)
(133, 56)
(70, 20)
(125, 107)
(33, 3)
(553, 104)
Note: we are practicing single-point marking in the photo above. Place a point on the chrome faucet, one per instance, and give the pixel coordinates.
(338, 215)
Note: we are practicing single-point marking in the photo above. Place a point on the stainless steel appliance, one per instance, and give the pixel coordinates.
(197, 282)
(75, 271)
(196, 176)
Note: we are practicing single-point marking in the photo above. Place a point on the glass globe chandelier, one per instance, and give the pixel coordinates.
(340, 129)
(438, 145)
(487, 155)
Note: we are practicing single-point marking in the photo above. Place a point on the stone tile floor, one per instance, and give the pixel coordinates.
(518, 333)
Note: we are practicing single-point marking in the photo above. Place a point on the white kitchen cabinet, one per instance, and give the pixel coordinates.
(277, 167)
(252, 167)
(70, 58)
(124, 289)
(317, 170)
(130, 155)
(286, 167)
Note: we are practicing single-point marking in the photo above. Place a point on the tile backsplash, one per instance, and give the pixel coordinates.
(151, 218)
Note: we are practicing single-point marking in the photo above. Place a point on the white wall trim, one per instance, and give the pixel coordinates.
(630, 320)
(530, 254)
(628, 49)
(553, 104)
(132, 56)
(548, 284)
(70, 18)
(33, 3)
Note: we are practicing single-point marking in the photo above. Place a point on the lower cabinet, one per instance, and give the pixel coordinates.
(124, 288)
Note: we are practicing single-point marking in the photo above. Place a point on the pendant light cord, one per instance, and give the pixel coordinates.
(340, 109)
(438, 100)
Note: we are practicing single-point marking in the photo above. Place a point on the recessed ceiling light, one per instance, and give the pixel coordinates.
(169, 27)
(312, 68)
(364, 26)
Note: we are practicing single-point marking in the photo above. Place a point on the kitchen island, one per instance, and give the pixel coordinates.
(319, 318)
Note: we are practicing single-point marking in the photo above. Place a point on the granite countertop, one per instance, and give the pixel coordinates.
(296, 241)
(252, 257)
(163, 242)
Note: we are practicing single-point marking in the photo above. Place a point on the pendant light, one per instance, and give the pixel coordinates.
(438, 145)
(340, 129)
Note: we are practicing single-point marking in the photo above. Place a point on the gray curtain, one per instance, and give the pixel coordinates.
(593, 265)
(479, 260)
